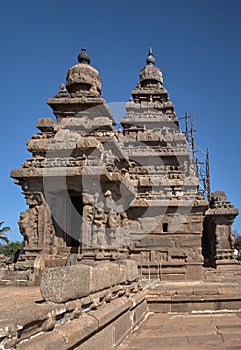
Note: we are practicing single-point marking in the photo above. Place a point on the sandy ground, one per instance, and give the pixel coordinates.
(12, 298)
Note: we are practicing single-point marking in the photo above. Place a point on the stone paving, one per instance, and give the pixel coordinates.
(197, 331)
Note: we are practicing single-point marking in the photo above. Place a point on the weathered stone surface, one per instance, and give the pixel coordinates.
(121, 327)
(65, 326)
(73, 304)
(66, 283)
(103, 276)
(38, 145)
(72, 282)
(46, 124)
(32, 316)
(198, 332)
(101, 340)
(157, 241)
(77, 330)
(111, 311)
(129, 270)
(50, 341)
(139, 312)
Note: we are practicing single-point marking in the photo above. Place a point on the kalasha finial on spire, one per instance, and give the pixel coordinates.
(84, 57)
(150, 59)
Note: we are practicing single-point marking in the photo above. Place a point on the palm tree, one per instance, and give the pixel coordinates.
(3, 230)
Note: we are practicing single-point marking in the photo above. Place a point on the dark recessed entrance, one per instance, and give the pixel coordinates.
(165, 227)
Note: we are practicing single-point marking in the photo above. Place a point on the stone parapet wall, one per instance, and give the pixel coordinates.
(97, 315)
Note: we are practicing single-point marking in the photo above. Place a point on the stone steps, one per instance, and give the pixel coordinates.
(194, 296)
(16, 278)
(208, 331)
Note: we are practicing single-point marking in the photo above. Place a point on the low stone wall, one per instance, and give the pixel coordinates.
(85, 307)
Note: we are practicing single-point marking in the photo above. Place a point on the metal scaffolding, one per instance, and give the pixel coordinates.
(199, 157)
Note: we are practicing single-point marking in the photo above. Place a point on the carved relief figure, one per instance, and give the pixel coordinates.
(28, 225)
(88, 216)
(112, 226)
(124, 233)
(99, 224)
(36, 223)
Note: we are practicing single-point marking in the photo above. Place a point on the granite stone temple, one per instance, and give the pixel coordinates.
(97, 190)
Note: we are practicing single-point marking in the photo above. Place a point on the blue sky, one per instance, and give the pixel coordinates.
(196, 43)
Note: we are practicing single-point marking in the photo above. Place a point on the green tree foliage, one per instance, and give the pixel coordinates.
(11, 248)
(3, 231)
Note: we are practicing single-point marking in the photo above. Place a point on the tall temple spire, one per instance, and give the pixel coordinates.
(150, 59)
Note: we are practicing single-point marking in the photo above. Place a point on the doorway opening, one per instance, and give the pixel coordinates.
(165, 227)
(74, 223)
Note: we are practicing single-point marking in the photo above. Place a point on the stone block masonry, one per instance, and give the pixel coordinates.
(76, 312)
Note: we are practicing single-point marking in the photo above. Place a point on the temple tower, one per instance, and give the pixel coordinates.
(94, 192)
(73, 178)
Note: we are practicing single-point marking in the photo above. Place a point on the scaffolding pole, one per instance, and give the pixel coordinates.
(202, 167)
(208, 176)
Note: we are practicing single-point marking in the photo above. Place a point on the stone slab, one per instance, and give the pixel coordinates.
(103, 276)
(77, 330)
(50, 341)
(139, 312)
(101, 340)
(130, 271)
(21, 319)
(110, 311)
(121, 327)
(65, 283)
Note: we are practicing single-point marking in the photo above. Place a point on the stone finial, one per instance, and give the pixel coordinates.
(84, 57)
(62, 91)
(150, 59)
(83, 80)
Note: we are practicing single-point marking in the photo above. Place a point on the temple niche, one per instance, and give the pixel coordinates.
(96, 191)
